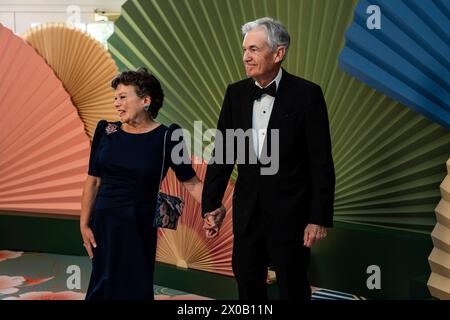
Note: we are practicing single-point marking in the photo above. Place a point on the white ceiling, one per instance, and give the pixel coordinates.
(38, 5)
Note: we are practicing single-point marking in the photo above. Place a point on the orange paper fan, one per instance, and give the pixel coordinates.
(188, 246)
(83, 65)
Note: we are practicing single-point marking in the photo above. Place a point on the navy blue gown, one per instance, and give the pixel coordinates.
(121, 219)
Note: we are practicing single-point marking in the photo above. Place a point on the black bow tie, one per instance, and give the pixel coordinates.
(270, 90)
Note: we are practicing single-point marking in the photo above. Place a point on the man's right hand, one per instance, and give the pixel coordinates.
(213, 221)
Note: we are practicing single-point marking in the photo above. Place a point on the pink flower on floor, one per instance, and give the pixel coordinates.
(8, 284)
(48, 295)
(180, 297)
(33, 282)
(6, 254)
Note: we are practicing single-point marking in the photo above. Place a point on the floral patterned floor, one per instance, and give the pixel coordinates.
(55, 277)
(62, 277)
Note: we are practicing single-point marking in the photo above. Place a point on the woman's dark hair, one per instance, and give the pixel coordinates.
(145, 84)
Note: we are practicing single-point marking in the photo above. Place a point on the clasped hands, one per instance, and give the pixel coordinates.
(213, 221)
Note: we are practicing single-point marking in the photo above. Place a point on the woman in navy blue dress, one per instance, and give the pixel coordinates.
(119, 196)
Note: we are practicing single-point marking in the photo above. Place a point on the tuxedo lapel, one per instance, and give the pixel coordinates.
(248, 118)
(281, 103)
(280, 107)
(247, 105)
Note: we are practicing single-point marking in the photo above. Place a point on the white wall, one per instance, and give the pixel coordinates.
(18, 15)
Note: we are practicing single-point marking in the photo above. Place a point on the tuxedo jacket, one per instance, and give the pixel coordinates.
(302, 190)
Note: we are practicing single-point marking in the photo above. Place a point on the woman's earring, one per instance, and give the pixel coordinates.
(146, 107)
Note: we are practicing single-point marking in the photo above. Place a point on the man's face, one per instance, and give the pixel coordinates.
(259, 59)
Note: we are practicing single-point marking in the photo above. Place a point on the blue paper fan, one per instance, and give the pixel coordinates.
(408, 58)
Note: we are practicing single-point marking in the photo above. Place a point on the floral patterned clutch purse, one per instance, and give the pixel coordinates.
(168, 208)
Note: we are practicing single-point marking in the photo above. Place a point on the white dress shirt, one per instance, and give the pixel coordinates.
(262, 109)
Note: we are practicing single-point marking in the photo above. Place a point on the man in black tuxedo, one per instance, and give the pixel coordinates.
(277, 214)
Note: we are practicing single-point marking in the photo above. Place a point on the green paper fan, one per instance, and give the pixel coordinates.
(389, 160)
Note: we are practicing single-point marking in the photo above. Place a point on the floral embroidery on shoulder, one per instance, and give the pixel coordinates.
(111, 128)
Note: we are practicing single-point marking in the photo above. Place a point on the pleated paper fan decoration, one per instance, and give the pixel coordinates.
(188, 247)
(83, 65)
(389, 159)
(408, 58)
(439, 259)
(44, 150)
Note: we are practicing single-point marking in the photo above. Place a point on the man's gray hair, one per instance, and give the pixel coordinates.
(277, 34)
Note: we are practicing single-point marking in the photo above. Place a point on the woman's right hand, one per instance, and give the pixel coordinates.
(88, 240)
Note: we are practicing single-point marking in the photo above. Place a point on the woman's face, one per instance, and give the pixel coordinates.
(128, 104)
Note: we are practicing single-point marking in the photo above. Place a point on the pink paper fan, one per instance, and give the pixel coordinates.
(188, 246)
(44, 149)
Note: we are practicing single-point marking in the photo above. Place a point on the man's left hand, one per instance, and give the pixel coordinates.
(313, 233)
